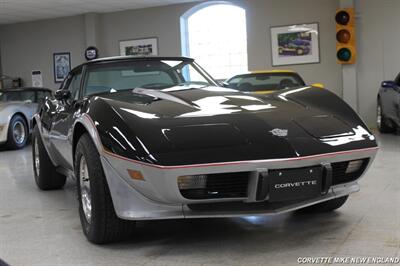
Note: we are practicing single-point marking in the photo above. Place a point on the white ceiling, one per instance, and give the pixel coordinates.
(12, 11)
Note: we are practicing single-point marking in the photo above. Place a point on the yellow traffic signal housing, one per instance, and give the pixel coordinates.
(346, 52)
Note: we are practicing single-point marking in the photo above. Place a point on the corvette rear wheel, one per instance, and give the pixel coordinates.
(99, 221)
(326, 206)
(381, 120)
(17, 133)
(46, 176)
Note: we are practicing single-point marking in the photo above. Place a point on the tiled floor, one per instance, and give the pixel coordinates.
(43, 228)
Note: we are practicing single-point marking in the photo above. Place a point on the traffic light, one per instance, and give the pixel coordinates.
(345, 36)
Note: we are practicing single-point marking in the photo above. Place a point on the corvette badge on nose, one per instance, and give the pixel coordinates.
(279, 132)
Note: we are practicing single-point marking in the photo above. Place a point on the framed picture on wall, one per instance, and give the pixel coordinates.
(62, 66)
(295, 44)
(139, 47)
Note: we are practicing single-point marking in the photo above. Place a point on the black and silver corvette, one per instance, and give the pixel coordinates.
(156, 138)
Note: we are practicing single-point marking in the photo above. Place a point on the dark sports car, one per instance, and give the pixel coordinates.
(388, 113)
(156, 138)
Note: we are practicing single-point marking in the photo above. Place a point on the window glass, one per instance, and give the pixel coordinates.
(74, 86)
(265, 81)
(41, 96)
(191, 75)
(65, 83)
(147, 74)
(216, 36)
(20, 96)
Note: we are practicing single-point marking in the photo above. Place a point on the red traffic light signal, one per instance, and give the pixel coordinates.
(345, 36)
(342, 17)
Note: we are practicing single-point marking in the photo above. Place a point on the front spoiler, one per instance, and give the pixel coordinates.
(130, 204)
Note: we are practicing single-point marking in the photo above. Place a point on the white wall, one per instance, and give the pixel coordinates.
(28, 46)
(161, 22)
(378, 30)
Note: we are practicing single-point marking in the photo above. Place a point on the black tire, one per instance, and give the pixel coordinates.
(46, 176)
(383, 126)
(326, 206)
(12, 142)
(103, 225)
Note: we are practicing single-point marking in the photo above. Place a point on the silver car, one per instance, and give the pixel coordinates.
(17, 107)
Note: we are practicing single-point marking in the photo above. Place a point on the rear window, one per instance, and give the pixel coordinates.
(265, 81)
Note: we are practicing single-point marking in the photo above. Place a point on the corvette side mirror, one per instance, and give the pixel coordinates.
(388, 84)
(62, 94)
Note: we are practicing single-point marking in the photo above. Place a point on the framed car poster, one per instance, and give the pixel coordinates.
(62, 66)
(139, 47)
(295, 44)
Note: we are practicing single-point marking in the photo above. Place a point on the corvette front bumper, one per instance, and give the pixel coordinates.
(158, 195)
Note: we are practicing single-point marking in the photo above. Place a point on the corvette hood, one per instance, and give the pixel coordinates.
(217, 124)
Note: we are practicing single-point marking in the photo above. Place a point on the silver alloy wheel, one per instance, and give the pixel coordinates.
(86, 196)
(379, 116)
(19, 132)
(37, 159)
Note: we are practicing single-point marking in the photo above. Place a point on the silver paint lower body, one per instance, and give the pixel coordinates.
(158, 196)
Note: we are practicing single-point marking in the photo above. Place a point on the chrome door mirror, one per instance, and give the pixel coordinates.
(62, 94)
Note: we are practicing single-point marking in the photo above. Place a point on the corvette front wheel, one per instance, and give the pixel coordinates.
(46, 175)
(99, 221)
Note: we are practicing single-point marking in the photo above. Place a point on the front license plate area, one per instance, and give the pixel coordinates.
(292, 184)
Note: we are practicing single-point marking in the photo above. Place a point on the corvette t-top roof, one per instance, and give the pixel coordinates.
(135, 58)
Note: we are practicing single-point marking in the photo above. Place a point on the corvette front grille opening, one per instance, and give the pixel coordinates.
(214, 186)
(348, 171)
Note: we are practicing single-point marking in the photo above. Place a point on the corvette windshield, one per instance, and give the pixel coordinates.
(147, 74)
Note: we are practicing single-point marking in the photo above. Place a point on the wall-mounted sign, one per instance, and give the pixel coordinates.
(91, 53)
(139, 47)
(62, 66)
(37, 79)
(295, 44)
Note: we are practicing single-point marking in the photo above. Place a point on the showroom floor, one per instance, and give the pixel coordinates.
(43, 228)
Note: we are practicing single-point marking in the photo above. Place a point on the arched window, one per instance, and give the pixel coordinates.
(214, 33)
